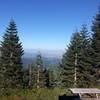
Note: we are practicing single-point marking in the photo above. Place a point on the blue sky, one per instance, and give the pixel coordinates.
(46, 24)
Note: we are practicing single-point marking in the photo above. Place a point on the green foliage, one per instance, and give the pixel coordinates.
(85, 69)
(76, 64)
(31, 75)
(96, 47)
(50, 78)
(35, 94)
(34, 74)
(68, 62)
(11, 53)
(25, 79)
(39, 73)
(80, 66)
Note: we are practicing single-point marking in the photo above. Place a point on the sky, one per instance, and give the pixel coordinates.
(46, 24)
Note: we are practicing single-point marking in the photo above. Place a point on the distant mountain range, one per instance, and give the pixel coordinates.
(50, 57)
(44, 53)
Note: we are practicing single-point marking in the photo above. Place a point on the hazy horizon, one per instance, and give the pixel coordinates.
(30, 53)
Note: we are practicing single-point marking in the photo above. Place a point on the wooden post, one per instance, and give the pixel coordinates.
(80, 95)
(97, 96)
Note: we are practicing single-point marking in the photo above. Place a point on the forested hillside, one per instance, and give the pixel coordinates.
(79, 66)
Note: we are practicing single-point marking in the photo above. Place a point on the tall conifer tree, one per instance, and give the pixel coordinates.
(96, 46)
(70, 62)
(85, 70)
(50, 78)
(11, 53)
(39, 73)
(77, 70)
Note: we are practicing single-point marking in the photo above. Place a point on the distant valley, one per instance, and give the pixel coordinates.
(50, 57)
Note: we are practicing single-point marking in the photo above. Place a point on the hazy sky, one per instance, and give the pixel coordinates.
(46, 24)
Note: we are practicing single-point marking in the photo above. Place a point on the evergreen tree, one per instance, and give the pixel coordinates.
(96, 46)
(85, 77)
(39, 73)
(50, 78)
(59, 76)
(30, 71)
(77, 70)
(11, 53)
(1, 72)
(25, 78)
(29, 76)
(69, 62)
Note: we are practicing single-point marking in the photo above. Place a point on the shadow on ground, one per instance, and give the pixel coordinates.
(64, 97)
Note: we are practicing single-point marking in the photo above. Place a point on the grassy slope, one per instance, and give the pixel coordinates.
(40, 94)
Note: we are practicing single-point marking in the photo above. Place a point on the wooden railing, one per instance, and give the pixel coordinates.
(87, 99)
(90, 99)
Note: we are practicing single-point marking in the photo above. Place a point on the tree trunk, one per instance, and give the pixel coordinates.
(75, 76)
(38, 75)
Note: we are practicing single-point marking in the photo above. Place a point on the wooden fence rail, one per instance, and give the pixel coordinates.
(87, 99)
